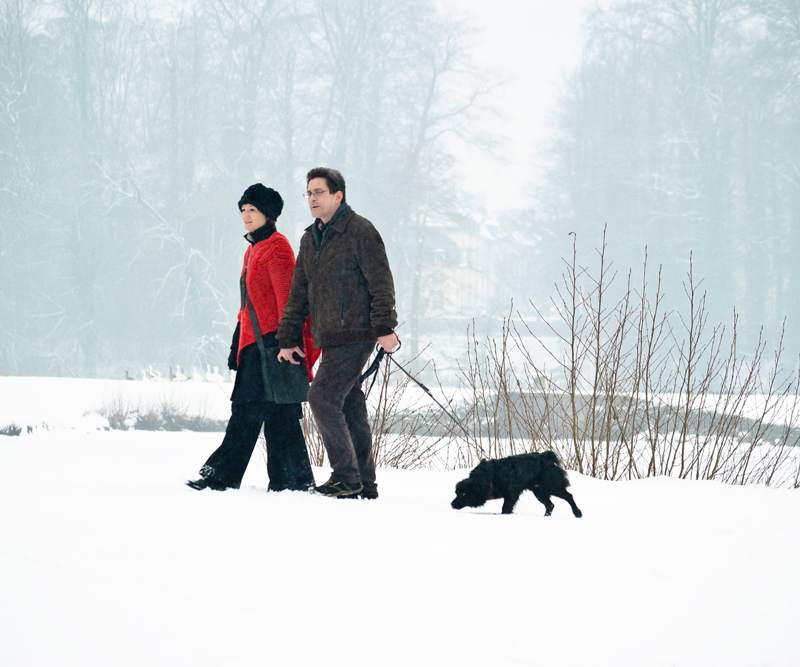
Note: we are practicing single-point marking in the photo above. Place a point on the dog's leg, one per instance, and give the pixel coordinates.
(566, 495)
(510, 499)
(543, 498)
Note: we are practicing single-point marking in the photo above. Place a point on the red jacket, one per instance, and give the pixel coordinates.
(270, 267)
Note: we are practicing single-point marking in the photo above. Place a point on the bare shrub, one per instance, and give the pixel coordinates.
(117, 411)
(407, 432)
(634, 392)
(404, 426)
(148, 419)
(170, 414)
(10, 429)
(316, 450)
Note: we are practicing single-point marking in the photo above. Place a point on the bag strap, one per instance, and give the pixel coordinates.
(257, 331)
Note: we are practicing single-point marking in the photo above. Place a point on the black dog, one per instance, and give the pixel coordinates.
(507, 478)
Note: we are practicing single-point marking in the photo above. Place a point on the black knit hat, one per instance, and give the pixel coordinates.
(266, 200)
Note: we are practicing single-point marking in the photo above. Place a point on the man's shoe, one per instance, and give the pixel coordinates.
(369, 493)
(336, 489)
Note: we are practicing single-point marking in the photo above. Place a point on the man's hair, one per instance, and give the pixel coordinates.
(333, 178)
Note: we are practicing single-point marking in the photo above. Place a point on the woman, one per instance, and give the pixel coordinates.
(266, 279)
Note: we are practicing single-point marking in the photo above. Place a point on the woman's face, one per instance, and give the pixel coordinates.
(252, 218)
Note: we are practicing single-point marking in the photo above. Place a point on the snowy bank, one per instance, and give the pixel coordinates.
(34, 403)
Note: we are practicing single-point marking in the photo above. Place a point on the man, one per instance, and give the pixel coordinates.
(343, 280)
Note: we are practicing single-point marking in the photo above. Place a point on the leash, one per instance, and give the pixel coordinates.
(373, 370)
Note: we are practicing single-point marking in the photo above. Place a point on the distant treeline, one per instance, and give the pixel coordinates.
(129, 130)
(681, 130)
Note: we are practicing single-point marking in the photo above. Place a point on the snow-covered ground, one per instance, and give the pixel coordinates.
(106, 558)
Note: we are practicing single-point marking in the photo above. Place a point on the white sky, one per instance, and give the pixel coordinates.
(533, 43)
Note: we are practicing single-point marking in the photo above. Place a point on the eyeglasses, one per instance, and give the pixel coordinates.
(316, 193)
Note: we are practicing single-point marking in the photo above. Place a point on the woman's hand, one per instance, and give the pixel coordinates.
(288, 355)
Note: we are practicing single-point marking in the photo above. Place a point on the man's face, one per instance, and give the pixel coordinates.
(321, 202)
(252, 218)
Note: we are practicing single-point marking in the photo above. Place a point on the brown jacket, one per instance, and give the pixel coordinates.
(343, 280)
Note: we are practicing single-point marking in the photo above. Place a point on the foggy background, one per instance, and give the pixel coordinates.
(475, 138)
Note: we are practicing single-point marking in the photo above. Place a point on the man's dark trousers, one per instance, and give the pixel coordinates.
(340, 410)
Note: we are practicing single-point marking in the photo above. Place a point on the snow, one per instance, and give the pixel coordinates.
(77, 403)
(107, 558)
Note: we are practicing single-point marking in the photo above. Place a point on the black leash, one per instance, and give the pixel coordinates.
(373, 370)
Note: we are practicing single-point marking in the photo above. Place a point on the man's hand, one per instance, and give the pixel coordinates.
(288, 355)
(388, 343)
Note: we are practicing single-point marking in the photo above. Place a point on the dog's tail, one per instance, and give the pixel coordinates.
(558, 469)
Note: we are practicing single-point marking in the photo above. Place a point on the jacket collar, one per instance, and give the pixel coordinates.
(340, 218)
(337, 223)
(260, 234)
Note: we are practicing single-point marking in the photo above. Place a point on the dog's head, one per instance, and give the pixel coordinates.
(473, 491)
